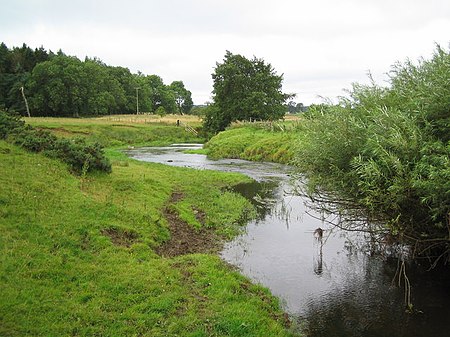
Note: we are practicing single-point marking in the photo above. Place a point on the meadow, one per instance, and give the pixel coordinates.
(122, 130)
(96, 254)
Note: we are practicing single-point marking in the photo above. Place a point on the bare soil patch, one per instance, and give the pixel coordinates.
(120, 237)
(185, 239)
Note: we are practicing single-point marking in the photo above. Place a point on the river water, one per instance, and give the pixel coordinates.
(331, 286)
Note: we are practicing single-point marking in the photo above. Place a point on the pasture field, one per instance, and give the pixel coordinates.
(130, 253)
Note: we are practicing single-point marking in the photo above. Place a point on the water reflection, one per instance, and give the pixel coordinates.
(373, 309)
(318, 255)
(261, 195)
(333, 284)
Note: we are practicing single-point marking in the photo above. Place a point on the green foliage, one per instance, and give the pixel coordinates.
(252, 143)
(16, 65)
(34, 140)
(160, 95)
(77, 153)
(243, 90)
(199, 110)
(183, 97)
(61, 85)
(431, 180)
(423, 91)
(81, 156)
(161, 111)
(9, 121)
(387, 147)
(65, 86)
(214, 119)
(295, 108)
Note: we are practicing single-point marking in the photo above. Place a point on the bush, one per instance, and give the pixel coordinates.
(9, 121)
(34, 140)
(161, 111)
(388, 149)
(81, 156)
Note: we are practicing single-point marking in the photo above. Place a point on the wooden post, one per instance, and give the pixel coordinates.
(137, 101)
(26, 102)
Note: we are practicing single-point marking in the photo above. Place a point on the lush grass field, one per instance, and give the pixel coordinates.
(120, 131)
(86, 255)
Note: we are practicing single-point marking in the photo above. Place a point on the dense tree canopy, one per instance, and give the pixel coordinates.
(15, 68)
(244, 89)
(66, 86)
(61, 85)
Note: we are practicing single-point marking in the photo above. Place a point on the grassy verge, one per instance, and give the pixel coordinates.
(253, 143)
(79, 255)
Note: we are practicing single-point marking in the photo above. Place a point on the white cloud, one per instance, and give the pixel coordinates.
(320, 46)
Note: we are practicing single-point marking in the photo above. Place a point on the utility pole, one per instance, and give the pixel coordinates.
(137, 101)
(26, 102)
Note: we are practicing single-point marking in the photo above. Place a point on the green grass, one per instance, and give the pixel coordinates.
(117, 132)
(253, 143)
(62, 271)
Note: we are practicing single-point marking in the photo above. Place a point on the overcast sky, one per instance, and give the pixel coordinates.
(321, 46)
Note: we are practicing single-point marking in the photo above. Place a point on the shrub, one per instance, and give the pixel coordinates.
(161, 111)
(34, 140)
(80, 155)
(9, 121)
(388, 149)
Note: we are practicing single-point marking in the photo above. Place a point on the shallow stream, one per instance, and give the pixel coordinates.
(332, 286)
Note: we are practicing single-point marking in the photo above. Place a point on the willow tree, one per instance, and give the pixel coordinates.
(386, 149)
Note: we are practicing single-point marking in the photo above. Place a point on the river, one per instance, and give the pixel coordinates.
(331, 286)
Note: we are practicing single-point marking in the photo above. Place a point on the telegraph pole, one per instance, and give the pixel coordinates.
(137, 101)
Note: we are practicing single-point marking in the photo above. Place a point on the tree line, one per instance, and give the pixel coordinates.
(55, 84)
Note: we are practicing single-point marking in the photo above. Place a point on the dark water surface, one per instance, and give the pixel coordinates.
(332, 287)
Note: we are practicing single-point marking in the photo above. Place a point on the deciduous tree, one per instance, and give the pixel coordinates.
(182, 96)
(245, 89)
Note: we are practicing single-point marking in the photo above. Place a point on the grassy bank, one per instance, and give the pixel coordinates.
(119, 131)
(121, 254)
(255, 143)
